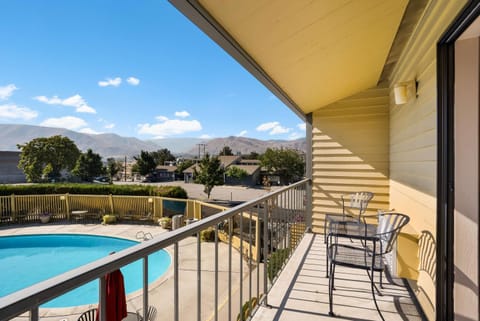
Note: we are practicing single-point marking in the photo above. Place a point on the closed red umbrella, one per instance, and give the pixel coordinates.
(115, 297)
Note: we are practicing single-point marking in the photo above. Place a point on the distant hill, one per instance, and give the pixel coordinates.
(177, 145)
(107, 145)
(112, 145)
(244, 145)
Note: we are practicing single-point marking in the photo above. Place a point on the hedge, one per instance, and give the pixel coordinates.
(94, 189)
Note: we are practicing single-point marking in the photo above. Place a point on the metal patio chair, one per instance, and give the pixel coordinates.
(367, 253)
(353, 207)
(89, 315)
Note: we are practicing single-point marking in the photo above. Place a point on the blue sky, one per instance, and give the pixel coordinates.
(134, 68)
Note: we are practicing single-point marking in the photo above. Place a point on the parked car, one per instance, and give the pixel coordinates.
(102, 180)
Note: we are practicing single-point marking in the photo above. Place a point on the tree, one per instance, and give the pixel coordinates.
(113, 167)
(145, 162)
(181, 166)
(162, 155)
(236, 172)
(284, 162)
(252, 155)
(226, 151)
(45, 158)
(89, 165)
(210, 173)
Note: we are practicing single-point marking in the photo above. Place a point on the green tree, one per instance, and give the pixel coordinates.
(162, 155)
(236, 172)
(113, 167)
(181, 166)
(145, 163)
(45, 158)
(252, 155)
(88, 166)
(226, 151)
(210, 173)
(284, 162)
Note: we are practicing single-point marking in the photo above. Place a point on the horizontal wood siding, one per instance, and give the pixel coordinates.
(350, 152)
(413, 132)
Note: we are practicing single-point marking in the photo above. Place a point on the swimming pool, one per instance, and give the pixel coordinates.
(29, 259)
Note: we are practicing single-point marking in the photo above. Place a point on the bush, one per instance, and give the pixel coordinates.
(94, 189)
(207, 235)
(246, 311)
(109, 219)
(165, 222)
(275, 262)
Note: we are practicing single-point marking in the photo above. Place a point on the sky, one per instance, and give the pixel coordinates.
(133, 68)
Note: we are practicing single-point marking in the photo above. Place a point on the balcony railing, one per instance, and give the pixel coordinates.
(264, 231)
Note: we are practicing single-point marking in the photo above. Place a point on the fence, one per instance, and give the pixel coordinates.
(279, 224)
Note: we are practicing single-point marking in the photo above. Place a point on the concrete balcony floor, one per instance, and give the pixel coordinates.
(301, 291)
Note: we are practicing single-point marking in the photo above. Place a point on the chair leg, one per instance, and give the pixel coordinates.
(373, 288)
(381, 279)
(330, 290)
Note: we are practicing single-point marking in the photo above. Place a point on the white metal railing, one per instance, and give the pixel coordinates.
(280, 222)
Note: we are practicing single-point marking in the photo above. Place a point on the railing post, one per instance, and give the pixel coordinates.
(34, 313)
(103, 298)
(67, 205)
(308, 172)
(145, 287)
(160, 206)
(110, 198)
(265, 252)
(12, 207)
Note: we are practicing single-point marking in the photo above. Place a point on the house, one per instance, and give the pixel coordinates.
(162, 173)
(389, 91)
(251, 167)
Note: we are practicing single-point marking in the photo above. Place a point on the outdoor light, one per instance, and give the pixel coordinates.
(405, 91)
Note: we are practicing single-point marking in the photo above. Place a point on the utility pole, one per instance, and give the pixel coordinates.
(125, 170)
(204, 146)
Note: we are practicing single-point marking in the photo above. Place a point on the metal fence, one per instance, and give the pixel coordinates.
(275, 223)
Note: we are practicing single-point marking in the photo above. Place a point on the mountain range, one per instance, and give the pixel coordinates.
(113, 145)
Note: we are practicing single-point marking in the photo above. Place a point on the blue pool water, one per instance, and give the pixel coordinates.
(29, 259)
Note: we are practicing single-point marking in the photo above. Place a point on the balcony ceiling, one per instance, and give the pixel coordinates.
(315, 52)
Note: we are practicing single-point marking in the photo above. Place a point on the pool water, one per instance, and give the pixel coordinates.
(29, 259)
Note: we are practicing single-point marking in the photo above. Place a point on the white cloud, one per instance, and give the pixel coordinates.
(76, 101)
(115, 82)
(109, 126)
(242, 133)
(273, 127)
(133, 81)
(68, 122)
(87, 130)
(161, 118)
(205, 136)
(182, 114)
(11, 111)
(169, 127)
(302, 126)
(295, 135)
(267, 126)
(7, 91)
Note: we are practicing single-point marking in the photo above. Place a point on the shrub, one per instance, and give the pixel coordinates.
(165, 222)
(246, 310)
(207, 235)
(109, 219)
(275, 262)
(94, 189)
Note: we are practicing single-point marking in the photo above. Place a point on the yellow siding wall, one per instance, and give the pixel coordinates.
(350, 152)
(413, 133)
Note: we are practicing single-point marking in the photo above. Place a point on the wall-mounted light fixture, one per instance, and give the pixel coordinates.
(405, 91)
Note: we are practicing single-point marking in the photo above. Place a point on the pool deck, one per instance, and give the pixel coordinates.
(161, 291)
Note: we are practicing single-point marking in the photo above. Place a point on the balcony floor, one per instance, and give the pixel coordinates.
(301, 291)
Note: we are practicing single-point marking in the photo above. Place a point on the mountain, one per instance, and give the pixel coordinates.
(177, 145)
(107, 145)
(112, 145)
(244, 145)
